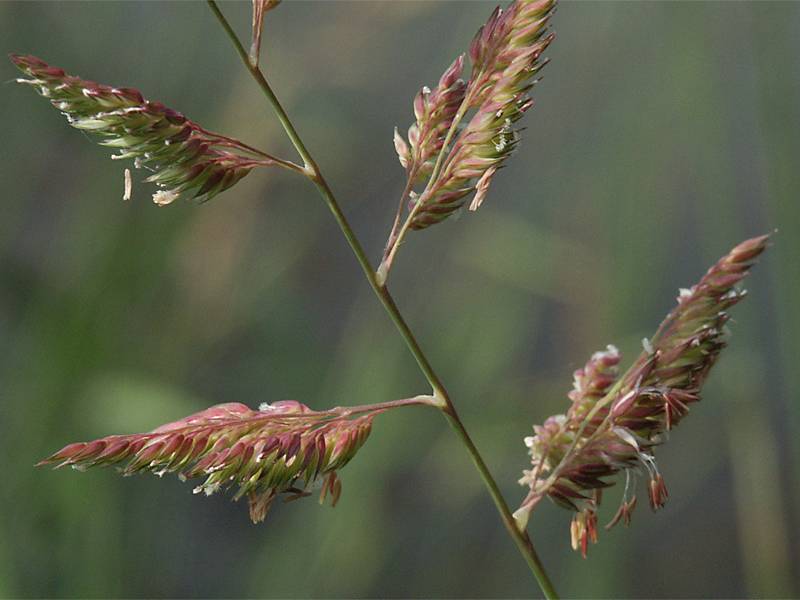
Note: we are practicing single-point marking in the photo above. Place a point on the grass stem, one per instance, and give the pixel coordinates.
(445, 404)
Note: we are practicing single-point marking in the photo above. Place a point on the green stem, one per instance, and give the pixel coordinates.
(442, 400)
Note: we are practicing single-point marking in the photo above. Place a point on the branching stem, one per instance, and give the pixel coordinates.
(441, 399)
(381, 406)
(412, 173)
(232, 143)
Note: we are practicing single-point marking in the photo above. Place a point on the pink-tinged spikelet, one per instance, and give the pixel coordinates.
(185, 159)
(434, 111)
(283, 448)
(615, 423)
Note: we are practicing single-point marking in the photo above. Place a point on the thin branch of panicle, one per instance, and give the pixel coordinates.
(260, 9)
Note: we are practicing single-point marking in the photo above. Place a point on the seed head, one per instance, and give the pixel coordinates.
(615, 423)
(506, 57)
(185, 159)
(283, 448)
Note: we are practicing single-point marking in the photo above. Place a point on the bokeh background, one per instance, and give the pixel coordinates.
(664, 133)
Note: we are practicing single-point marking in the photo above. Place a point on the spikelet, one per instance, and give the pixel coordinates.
(434, 111)
(506, 56)
(283, 448)
(615, 423)
(185, 159)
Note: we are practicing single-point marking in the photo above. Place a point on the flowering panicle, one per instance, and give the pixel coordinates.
(457, 160)
(506, 56)
(615, 423)
(283, 448)
(185, 159)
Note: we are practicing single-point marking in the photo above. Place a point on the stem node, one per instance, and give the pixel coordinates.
(381, 274)
(440, 401)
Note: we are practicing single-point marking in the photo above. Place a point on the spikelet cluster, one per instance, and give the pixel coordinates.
(185, 159)
(615, 422)
(434, 111)
(506, 57)
(282, 448)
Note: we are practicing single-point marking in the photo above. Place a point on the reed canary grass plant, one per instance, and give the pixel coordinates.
(464, 131)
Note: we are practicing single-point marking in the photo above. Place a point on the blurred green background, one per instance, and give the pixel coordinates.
(664, 133)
